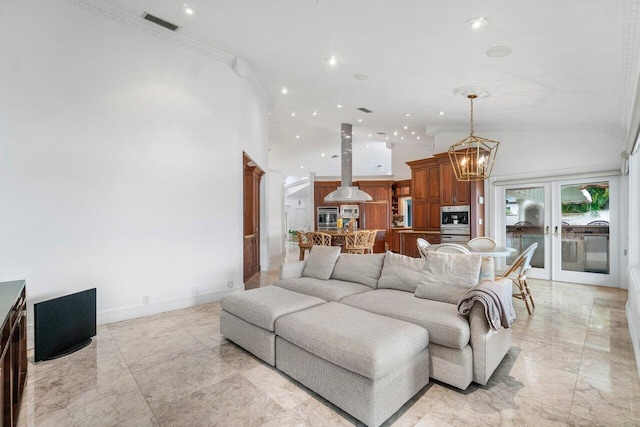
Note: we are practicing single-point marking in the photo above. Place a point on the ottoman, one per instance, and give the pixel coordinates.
(366, 364)
(247, 318)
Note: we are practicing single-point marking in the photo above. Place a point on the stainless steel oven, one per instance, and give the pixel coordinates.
(454, 223)
(327, 218)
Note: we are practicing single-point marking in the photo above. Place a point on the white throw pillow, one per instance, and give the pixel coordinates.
(487, 269)
(321, 261)
(446, 276)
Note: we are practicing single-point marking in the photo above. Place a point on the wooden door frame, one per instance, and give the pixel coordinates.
(251, 215)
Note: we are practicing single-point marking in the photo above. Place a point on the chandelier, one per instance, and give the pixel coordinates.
(473, 157)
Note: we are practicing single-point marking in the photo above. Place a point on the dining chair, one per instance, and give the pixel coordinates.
(303, 243)
(422, 246)
(482, 243)
(371, 240)
(517, 273)
(451, 248)
(356, 242)
(319, 238)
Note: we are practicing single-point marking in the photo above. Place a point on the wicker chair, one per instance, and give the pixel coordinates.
(357, 242)
(303, 243)
(319, 238)
(372, 240)
(482, 243)
(451, 248)
(422, 246)
(517, 272)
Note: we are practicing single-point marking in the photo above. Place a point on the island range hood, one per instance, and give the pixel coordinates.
(347, 192)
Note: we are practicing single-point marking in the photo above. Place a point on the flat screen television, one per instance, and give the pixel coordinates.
(64, 325)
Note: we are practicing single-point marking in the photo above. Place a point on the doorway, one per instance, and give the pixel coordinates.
(251, 217)
(573, 221)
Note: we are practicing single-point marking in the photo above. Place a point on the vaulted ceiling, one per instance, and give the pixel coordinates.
(573, 63)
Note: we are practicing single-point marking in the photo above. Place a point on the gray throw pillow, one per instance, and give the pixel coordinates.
(363, 269)
(487, 269)
(400, 272)
(447, 276)
(321, 261)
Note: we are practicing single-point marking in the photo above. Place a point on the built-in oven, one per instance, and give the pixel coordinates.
(454, 223)
(327, 218)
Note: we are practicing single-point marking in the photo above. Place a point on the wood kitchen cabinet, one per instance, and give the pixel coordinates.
(13, 349)
(399, 189)
(452, 191)
(425, 194)
(376, 214)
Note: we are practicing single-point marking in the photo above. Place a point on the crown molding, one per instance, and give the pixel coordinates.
(239, 65)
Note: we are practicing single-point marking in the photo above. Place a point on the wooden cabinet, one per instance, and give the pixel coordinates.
(399, 189)
(321, 190)
(251, 221)
(377, 213)
(408, 245)
(452, 191)
(425, 194)
(13, 349)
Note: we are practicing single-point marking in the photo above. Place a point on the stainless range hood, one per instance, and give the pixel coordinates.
(347, 192)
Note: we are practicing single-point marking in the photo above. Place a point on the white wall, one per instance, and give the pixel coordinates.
(277, 229)
(120, 162)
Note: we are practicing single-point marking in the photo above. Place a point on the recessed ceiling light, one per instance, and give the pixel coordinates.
(301, 167)
(413, 133)
(499, 51)
(360, 120)
(477, 23)
(408, 115)
(315, 113)
(367, 146)
(417, 137)
(369, 135)
(361, 77)
(284, 90)
(297, 136)
(339, 105)
(441, 113)
(406, 127)
(322, 154)
(293, 114)
(402, 137)
(188, 10)
(387, 138)
(332, 60)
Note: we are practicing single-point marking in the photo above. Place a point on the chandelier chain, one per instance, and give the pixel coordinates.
(472, 97)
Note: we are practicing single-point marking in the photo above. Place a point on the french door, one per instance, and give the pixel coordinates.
(573, 221)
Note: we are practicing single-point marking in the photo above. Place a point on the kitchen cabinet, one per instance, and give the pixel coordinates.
(408, 239)
(425, 194)
(13, 350)
(452, 191)
(399, 189)
(376, 214)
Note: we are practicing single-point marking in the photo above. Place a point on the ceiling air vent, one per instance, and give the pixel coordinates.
(335, 156)
(381, 133)
(365, 110)
(161, 22)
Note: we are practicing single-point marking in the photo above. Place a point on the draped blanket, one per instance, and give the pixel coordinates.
(498, 306)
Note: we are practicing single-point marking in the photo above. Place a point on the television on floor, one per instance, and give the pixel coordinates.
(64, 325)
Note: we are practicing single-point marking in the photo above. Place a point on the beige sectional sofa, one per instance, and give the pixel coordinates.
(351, 328)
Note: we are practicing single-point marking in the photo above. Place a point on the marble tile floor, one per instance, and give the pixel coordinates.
(571, 363)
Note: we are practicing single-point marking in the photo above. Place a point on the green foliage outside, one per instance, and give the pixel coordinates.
(599, 201)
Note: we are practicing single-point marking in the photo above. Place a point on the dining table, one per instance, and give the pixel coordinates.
(496, 252)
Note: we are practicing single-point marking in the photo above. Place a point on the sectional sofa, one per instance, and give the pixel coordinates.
(368, 331)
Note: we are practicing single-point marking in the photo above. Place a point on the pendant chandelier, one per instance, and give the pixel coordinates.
(473, 157)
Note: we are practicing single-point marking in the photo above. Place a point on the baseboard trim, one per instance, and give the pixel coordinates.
(633, 313)
(126, 313)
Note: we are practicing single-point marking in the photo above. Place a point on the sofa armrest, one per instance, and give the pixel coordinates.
(292, 269)
(489, 347)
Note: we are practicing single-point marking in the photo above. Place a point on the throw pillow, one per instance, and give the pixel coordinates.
(400, 272)
(321, 261)
(487, 269)
(447, 276)
(363, 269)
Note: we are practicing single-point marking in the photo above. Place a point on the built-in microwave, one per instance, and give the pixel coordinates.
(454, 220)
(350, 211)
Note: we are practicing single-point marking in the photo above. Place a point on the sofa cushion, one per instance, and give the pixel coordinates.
(361, 342)
(445, 325)
(363, 269)
(262, 306)
(321, 261)
(328, 290)
(400, 272)
(447, 276)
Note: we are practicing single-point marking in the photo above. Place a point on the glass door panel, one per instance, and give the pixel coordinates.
(526, 216)
(584, 220)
